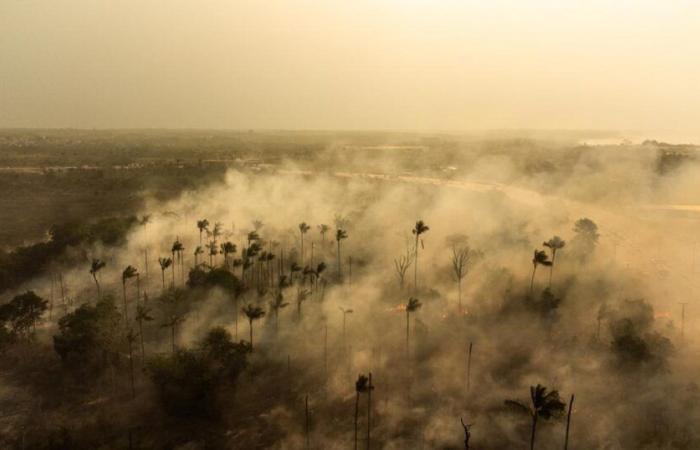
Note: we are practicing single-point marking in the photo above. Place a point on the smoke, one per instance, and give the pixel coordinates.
(601, 331)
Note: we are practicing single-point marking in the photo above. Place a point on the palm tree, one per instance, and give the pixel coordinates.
(302, 295)
(177, 250)
(568, 423)
(213, 251)
(96, 266)
(275, 305)
(172, 323)
(202, 225)
(130, 338)
(419, 229)
(164, 264)
(370, 388)
(554, 244)
(323, 229)
(227, 248)
(253, 313)
(543, 404)
(258, 224)
(129, 272)
(539, 258)
(413, 305)
(340, 234)
(142, 314)
(143, 221)
(197, 251)
(303, 228)
(361, 386)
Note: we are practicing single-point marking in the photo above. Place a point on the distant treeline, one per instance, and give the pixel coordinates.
(26, 262)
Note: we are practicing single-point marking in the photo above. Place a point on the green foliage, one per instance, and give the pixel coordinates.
(188, 381)
(22, 312)
(88, 337)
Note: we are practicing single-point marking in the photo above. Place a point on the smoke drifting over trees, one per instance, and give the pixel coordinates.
(439, 309)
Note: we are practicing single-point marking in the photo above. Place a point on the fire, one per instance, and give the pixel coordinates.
(397, 308)
(662, 315)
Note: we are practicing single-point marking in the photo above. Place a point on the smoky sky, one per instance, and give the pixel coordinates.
(381, 64)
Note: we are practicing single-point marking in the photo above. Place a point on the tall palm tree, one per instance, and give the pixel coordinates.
(197, 251)
(303, 228)
(370, 388)
(302, 295)
(554, 244)
(413, 305)
(128, 273)
(419, 229)
(143, 221)
(539, 258)
(130, 338)
(142, 314)
(568, 423)
(258, 224)
(543, 404)
(323, 229)
(172, 323)
(227, 248)
(340, 234)
(361, 386)
(96, 266)
(213, 251)
(164, 264)
(276, 304)
(203, 225)
(253, 313)
(177, 250)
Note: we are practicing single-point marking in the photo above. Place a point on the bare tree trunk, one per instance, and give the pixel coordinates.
(469, 366)
(534, 428)
(131, 368)
(126, 317)
(369, 410)
(408, 351)
(306, 425)
(568, 423)
(357, 413)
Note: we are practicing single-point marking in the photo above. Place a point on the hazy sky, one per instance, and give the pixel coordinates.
(380, 64)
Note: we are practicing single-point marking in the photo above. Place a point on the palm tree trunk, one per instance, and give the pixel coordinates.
(124, 294)
(143, 348)
(408, 351)
(97, 284)
(568, 423)
(469, 366)
(551, 268)
(173, 266)
(369, 410)
(302, 249)
(131, 369)
(532, 280)
(340, 273)
(534, 428)
(415, 267)
(162, 272)
(357, 413)
(251, 334)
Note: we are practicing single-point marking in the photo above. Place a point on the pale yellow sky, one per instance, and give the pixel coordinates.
(382, 64)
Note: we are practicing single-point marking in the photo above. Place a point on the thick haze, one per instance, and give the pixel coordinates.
(380, 64)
